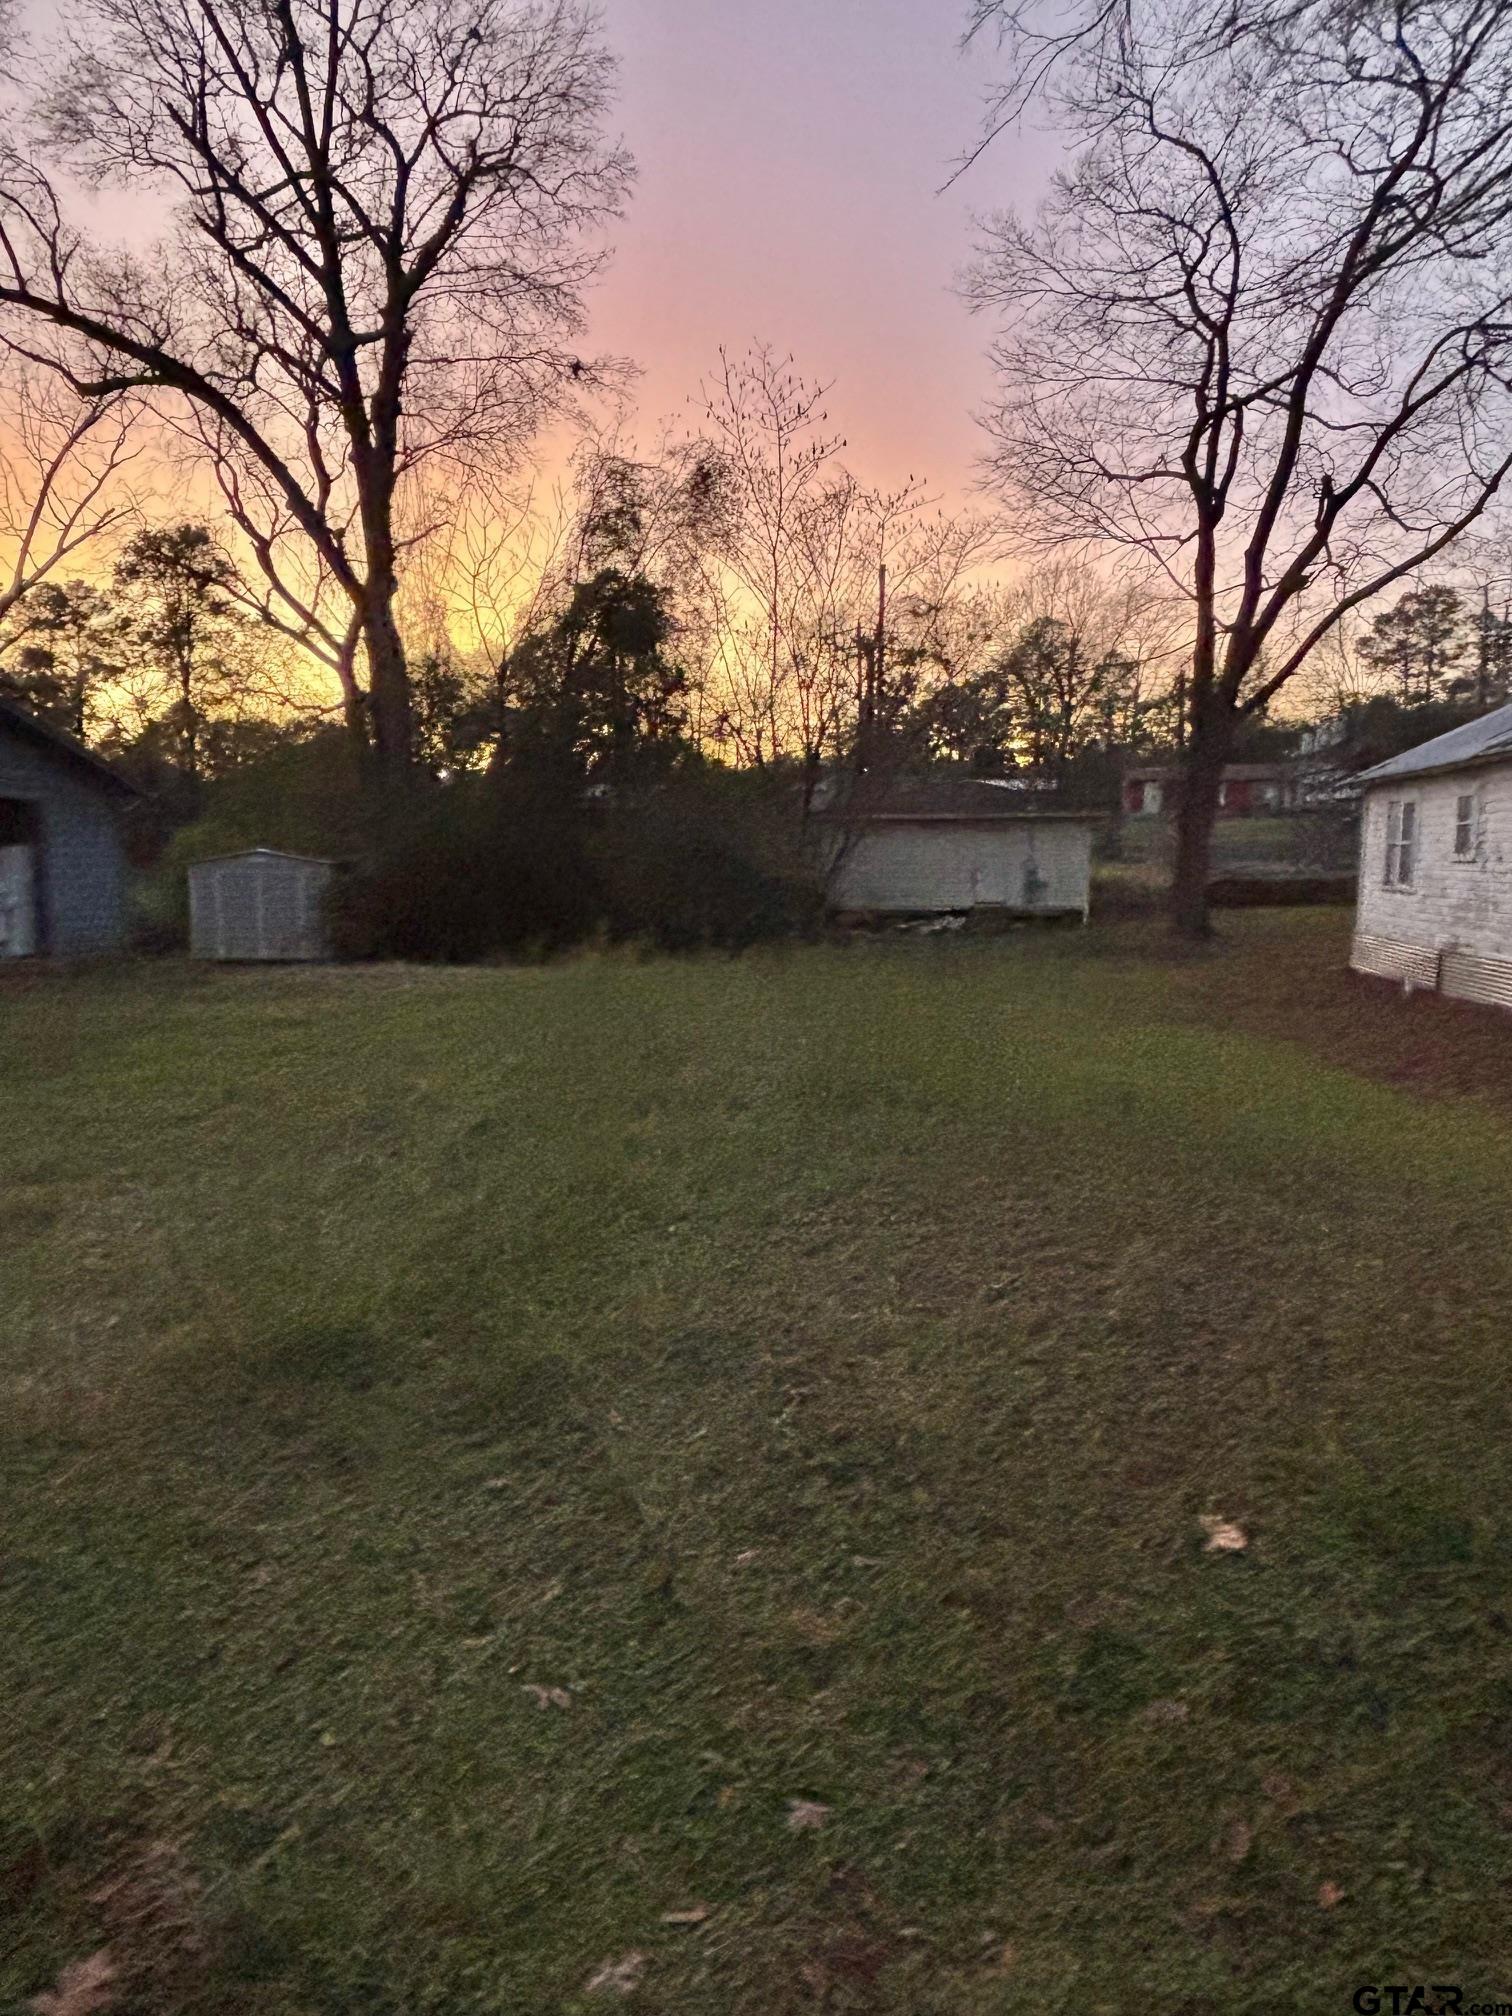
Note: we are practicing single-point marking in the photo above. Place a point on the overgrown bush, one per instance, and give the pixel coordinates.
(526, 864)
(469, 870)
(708, 858)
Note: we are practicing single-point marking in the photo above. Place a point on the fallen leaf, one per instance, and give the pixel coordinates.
(549, 1697)
(694, 1915)
(84, 1987)
(1238, 1840)
(1224, 1537)
(806, 1815)
(1329, 1894)
(618, 1977)
(1166, 1711)
(746, 1556)
(728, 1794)
(1008, 1958)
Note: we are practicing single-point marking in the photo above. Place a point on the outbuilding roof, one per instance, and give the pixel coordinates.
(57, 743)
(1488, 740)
(262, 854)
(1233, 773)
(937, 798)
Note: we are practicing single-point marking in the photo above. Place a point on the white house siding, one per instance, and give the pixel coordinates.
(1453, 927)
(1028, 865)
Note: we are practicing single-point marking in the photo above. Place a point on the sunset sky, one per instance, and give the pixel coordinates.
(791, 159)
(791, 156)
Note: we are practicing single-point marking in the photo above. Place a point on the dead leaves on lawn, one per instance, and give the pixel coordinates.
(547, 1697)
(84, 1988)
(806, 1816)
(158, 1944)
(618, 1977)
(1223, 1535)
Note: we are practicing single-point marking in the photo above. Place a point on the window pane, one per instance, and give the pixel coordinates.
(1464, 825)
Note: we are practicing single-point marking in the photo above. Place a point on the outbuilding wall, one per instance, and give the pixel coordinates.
(1453, 926)
(919, 866)
(81, 869)
(259, 905)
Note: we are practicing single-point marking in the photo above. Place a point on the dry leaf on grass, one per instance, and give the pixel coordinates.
(618, 1977)
(1224, 1537)
(84, 1987)
(548, 1697)
(1329, 1894)
(1165, 1711)
(806, 1816)
(1238, 1840)
(694, 1915)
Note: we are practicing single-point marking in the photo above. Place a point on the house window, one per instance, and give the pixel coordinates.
(1401, 842)
(1464, 826)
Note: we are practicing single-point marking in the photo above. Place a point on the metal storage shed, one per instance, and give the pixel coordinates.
(261, 904)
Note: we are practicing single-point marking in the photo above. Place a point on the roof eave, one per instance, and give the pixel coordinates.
(63, 744)
(1485, 759)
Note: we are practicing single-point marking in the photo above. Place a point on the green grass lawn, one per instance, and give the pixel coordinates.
(477, 1446)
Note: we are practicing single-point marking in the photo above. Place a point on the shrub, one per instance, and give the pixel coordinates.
(527, 864)
(468, 870)
(707, 859)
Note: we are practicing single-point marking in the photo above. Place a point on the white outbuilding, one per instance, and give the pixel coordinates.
(1435, 891)
(260, 904)
(935, 845)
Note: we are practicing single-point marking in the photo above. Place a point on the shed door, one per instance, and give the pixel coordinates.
(18, 902)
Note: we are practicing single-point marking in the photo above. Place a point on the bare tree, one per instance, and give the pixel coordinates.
(65, 477)
(1260, 335)
(826, 596)
(385, 224)
(770, 581)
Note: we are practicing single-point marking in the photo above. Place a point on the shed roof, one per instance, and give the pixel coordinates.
(938, 798)
(262, 854)
(58, 743)
(1488, 740)
(1232, 773)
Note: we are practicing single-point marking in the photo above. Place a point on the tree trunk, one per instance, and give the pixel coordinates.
(388, 685)
(1207, 750)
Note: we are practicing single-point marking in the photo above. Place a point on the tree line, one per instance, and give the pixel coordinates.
(1253, 350)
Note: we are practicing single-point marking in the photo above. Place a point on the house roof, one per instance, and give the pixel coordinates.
(1232, 773)
(939, 798)
(57, 743)
(1488, 740)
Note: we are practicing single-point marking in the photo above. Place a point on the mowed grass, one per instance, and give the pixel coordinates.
(816, 1367)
